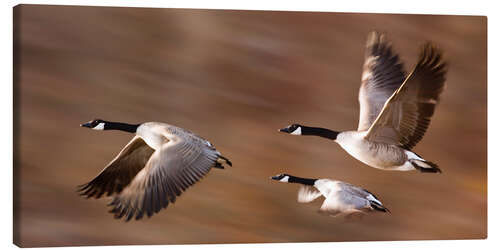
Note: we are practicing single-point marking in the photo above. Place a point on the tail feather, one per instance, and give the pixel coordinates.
(425, 166)
(221, 161)
(227, 160)
(379, 207)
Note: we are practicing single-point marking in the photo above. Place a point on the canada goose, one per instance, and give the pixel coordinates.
(340, 197)
(155, 167)
(394, 111)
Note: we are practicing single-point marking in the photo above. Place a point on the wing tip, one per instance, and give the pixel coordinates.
(432, 54)
(86, 190)
(89, 190)
(128, 212)
(376, 37)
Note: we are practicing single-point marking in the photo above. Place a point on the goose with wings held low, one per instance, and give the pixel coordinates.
(341, 198)
(153, 169)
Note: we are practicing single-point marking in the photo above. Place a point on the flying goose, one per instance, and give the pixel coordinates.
(340, 197)
(395, 110)
(155, 167)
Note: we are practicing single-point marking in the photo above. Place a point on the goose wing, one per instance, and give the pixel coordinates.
(372, 200)
(307, 194)
(407, 113)
(170, 171)
(353, 190)
(343, 201)
(382, 75)
(120, 171)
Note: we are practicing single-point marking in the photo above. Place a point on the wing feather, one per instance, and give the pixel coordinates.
(406, 115)
(169, 172)
(382, 75)
(120, 171)
(307, 194)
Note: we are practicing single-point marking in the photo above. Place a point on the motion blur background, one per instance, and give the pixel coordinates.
(235, 77)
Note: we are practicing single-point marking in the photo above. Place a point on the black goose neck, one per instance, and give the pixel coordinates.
(322, 132)
(305, 181)
(131, 128)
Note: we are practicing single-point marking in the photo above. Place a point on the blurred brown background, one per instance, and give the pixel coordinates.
(235, 77)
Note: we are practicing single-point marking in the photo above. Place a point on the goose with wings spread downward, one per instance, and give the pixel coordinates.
(154, 168)
(341, 198)
(395, 110)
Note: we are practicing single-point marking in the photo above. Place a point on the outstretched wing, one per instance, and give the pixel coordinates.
(120, 171)
(382, 75)
(407, 113)
(169, 172)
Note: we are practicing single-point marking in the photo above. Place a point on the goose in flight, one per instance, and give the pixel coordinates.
(156, 166)
(395, 110)
(340, 197)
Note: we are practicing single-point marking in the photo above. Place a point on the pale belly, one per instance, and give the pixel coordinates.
(377, 155)
(153, 136)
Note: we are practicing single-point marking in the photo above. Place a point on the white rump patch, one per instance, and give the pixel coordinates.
(413, 156)
(99, 126)
(297, 131)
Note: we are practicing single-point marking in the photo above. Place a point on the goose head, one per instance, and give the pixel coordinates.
(294, 129)
(96, 124)
(281, 177)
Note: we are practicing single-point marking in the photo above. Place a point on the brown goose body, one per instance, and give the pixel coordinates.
(153, 169)
(395, 109)
(341, 198)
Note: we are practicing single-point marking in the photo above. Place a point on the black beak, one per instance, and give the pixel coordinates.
(275, 177)
(86, 125)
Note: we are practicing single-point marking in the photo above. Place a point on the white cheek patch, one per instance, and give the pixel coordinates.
(284, 179)
(298, 131)
(100, 126)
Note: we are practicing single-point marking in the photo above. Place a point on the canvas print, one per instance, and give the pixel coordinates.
(192, 126)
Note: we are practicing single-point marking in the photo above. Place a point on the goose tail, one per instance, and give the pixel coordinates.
(221, 161)
(425, 166)
(379, 207)
(375, 204)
